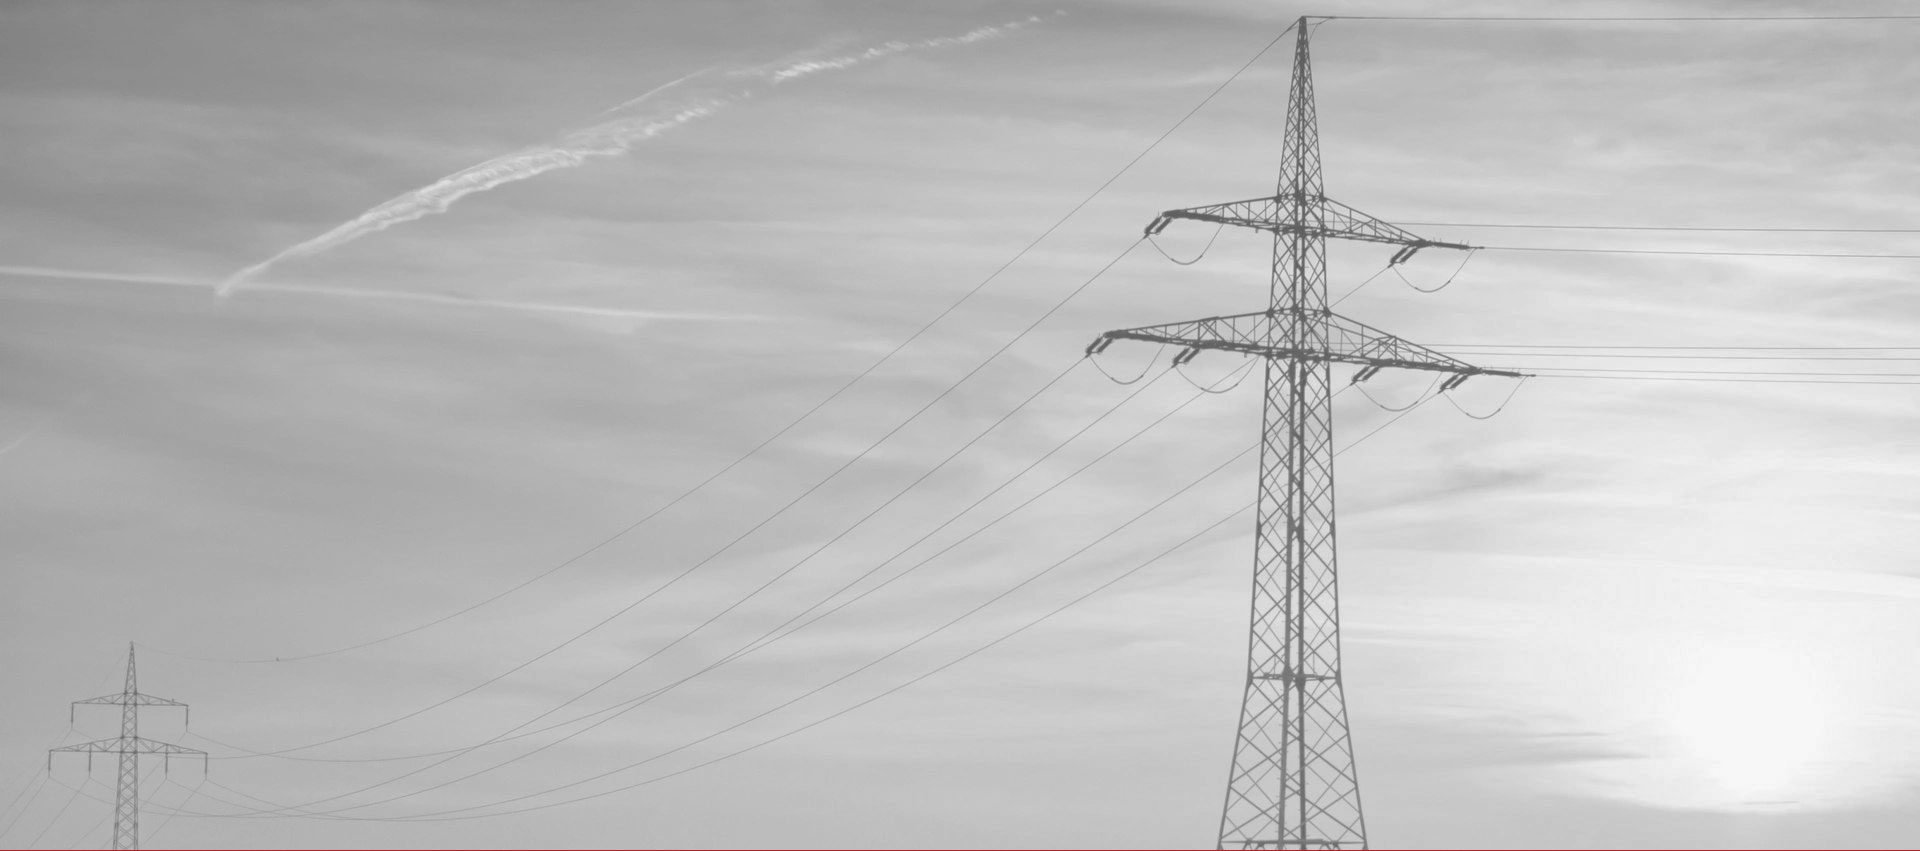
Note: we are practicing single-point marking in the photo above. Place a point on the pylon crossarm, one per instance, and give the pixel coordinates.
(1345, 341)
(123, 699)
(1307, 215)
(133, 745)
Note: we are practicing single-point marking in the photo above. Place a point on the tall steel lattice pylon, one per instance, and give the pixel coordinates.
(1293, 783)
(128, 746)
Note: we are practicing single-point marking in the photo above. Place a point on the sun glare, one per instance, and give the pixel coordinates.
(1743, 727)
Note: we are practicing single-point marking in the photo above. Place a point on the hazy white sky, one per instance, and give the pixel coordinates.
(1620, 613)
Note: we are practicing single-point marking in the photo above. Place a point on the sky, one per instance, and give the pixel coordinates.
(1624, 613)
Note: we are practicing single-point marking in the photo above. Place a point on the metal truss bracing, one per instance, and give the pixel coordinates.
(128, 747)
(1293, 782)
(1340, 340)
(1303, 215)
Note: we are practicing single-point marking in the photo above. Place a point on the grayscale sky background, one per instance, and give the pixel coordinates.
(1619, 613)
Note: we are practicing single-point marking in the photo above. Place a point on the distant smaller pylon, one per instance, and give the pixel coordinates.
(129, 746)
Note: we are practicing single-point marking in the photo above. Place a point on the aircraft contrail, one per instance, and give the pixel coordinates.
(13, 444)
(674, 104)
(381, 295)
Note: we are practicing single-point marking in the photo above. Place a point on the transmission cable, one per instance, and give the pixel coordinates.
(1196, 257)
(1143, 370)
(509, 734)
(1496, 411)
(176, 808)
(768, 637)
(1362, 285)
(1163, 136)
(1684, 348)
(1490, 352)
(1407, 407)
(1215, 389)
(1660, 228)
(969, 294)
(63, 810)
(1443, 285)
(1723, 379)
(1698, 253)
(38, 783)
(449, 815)
(1630, 18)
(862, 703)
(730, 544)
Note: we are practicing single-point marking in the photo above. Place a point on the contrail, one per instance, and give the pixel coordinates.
(672, 105)
(656, 90)
(13, 444)
(381, 295)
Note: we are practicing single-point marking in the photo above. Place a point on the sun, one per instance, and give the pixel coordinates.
(1742, 726)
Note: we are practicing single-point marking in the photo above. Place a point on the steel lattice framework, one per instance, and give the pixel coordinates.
(1293, 782)
(128, 746)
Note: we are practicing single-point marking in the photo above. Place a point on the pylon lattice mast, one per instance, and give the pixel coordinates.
(1293, 782)
(128, 746)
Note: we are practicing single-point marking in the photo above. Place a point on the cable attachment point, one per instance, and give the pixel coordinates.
(1158, 224)
(1185, 356)
(1455, 381)
(1099, 345)
(1365, 373)
(1405, 254)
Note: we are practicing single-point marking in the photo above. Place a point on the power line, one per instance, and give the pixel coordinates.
(448, 815)
(444, 816)
(1688, 348)
(839, 713)
(742, 600)
(1687, 356)
(63, 811)
(1662, 228)
(1633, 18)
(1718, 379)
(1695, 253)
(1770, 373)
(969, 294)
(768, 637)
(777, 513)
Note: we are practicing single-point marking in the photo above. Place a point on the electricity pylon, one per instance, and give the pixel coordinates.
(1293, 783)
(129, 746)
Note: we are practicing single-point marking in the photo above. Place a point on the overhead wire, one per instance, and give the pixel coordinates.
(1243, 372)
(63, 811)
(1620, 18)
(449, 815)
(950, 308)
(1197, 257)
(452, 814)
(729, 545)
(1684, 348)
(1409, 406)
(1095, 359)
(1720, 379)
(1382, 427)
(509, 736)
(892, 690)
(1702, 253)
(1686, 356)
(1443, 284)
(1658, 228)
(1143, 153)
(1511, 392)
(769, 637)
(174, 810)
(1360, 286)
(37, 783)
